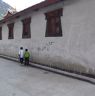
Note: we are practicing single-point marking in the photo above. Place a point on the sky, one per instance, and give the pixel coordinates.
(22, 4)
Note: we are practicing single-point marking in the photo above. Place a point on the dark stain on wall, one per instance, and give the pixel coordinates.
(45, 47)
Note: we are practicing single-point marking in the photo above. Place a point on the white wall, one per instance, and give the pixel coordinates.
(78, 25)
(75, 50)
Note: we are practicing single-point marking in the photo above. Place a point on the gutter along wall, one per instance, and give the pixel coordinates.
(74, 50)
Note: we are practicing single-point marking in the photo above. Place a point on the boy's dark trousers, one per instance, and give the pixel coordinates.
(21, 60)
(26, 61)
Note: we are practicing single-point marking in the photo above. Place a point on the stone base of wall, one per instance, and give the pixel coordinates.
(71, 68)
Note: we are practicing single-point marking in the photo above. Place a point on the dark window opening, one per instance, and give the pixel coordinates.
(53, 27)
(26, 28)
(0, 33)
(11, 34)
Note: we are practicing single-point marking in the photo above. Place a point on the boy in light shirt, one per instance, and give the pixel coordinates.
(21, 55)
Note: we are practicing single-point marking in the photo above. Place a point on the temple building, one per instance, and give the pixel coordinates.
(58, 33)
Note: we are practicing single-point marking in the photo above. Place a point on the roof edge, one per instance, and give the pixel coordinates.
(29, 9)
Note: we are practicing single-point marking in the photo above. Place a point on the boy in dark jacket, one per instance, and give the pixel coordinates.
(26, 57)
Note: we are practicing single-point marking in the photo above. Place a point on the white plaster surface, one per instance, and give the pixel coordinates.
(76, 48)
(17, 80)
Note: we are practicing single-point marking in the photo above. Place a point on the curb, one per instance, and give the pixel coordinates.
(58, 71)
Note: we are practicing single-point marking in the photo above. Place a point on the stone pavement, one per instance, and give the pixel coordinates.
(17, 80)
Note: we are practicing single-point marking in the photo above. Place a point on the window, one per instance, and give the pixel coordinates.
(11, 34)
(0, 33)
(26, 28)
(53, 27)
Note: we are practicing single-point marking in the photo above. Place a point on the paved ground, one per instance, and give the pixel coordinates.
(17, 80)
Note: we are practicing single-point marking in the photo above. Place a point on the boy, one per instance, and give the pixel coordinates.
(26, 57)
(21, 54)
